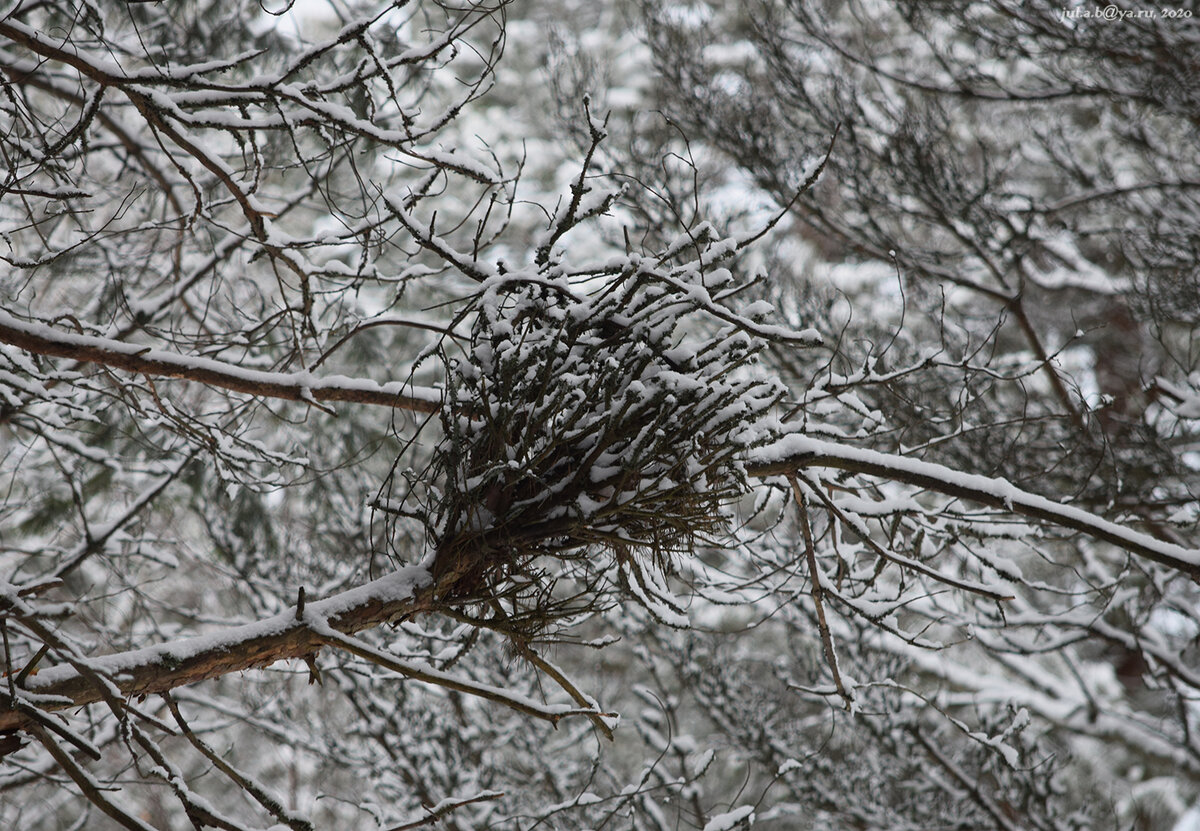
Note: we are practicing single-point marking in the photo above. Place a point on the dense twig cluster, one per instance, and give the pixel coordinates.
(594, 420)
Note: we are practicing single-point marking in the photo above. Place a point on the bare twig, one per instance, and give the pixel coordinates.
(445, 808)
(818, 593)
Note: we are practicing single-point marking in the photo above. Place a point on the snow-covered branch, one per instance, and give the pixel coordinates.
(156, 669)
(795, 451)
(41, 339)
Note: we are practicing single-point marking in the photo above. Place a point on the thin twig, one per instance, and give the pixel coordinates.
(445, 809)
(257, 791)
(818, 594)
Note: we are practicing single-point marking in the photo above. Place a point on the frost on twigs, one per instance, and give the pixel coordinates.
(592, 433)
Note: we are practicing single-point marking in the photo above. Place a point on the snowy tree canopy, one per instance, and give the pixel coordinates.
(640, 415)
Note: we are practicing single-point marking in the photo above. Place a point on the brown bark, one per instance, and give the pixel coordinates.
(257, 644)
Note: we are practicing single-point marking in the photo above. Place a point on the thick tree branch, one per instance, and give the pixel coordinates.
(162, 668)
(297, 633)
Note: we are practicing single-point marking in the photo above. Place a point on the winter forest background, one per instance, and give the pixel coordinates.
(652, 415)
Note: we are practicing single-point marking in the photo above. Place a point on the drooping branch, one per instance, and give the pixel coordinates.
(429, 675)
(244, 782)
(295, 386)
(818, 593)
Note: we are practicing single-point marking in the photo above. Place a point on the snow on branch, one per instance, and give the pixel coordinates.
(41, 339)
(164, 667)
(792, 452)
(297, 633)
